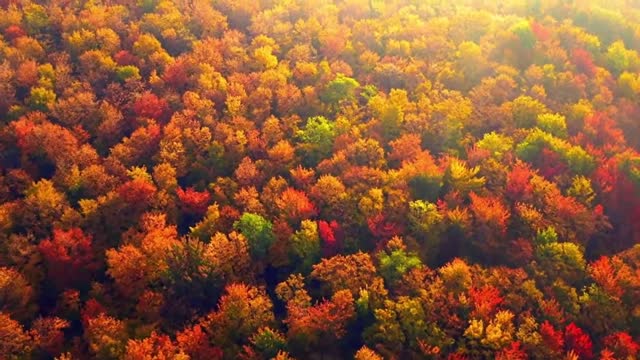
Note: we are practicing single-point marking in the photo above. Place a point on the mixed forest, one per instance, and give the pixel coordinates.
(317, 179)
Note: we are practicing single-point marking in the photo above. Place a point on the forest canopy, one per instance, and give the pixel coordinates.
(306, 179)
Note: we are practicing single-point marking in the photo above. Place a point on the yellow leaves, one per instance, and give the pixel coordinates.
(528, 331)
(127, 268)
(229, 255)
(497, 334)
(367, 354)
(43, 195)
(372, 203)
(475, 329)
(146, 45)
(106, 336)
(292, 290)
(81, 40)
(456, 275)
(265, 58)
(461, 178)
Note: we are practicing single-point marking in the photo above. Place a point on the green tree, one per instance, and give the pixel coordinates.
(258, 231)
(317, 139)
(342, 88)
(305, 244)
(395, 260)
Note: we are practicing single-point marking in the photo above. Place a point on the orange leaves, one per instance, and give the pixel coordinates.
(491, 219)
(126, 266)
(489, 212)
(134, 266)
(405, 148)
(137, 192)
(14, 341)
(241, 311)
(485, 301)
(613, 275)
(294, 205)
(153, 347)
(323, 322)
(195, 343)
(48, 334)
(352, 272)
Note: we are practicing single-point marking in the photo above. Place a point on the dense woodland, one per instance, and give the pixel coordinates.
(316, 179)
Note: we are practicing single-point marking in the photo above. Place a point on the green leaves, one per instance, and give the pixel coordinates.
(317, 139)
(342, 88)
(395, 260)
(258, 231)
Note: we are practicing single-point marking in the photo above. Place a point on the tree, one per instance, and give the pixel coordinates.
(317, 139)
(150, 106)
(395, 261)
(242, 310)
(622, 345)
(619, 58)
(195, 343)
(460, 178)
(305, 244)
(48, 334)
(491, 220)
(106, 337)
(16, 295)
(525, 111)
(576, 340)
(294, 205)
(69, 258)
(321, 324)
(15, 342)
(351, 272)
(342, 88)
(192, 201)
(154, 346)
(258, 231)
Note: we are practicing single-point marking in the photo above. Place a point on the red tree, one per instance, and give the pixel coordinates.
(195, 343)
(519, 182)
(137, 192)
(551, 337)
(150, 106)
(332, 237)
(13, 32)
(123, 57)
(192, 201)
(577, 340)
(69, 257)
(583, 61)
(485, 301)
(622, 345)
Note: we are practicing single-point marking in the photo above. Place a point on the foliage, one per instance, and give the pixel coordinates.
(344, 179)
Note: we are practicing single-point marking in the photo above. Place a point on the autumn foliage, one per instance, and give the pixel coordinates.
(306, 179)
